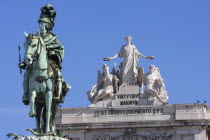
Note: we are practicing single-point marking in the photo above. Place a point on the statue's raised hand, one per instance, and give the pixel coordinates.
(107, 59)
(150, 57)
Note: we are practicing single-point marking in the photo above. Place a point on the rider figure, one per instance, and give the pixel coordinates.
(55, 52)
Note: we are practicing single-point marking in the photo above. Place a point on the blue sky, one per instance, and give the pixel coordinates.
(175, 32)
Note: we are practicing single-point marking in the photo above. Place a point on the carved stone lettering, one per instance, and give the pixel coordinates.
(128, 112)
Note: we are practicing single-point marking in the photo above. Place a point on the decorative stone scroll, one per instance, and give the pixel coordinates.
(130, 134)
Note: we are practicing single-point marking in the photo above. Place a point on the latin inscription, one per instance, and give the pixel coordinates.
(128, 102)
(123, 97)
(129, 96)
(138, 111)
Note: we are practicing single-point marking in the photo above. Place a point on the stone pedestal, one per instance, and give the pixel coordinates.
(128, 96)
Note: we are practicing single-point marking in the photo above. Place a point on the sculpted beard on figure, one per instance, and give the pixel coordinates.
(155, 84)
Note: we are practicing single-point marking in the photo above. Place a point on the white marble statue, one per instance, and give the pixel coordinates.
(154, 83)
(129, 67)
(107, 85)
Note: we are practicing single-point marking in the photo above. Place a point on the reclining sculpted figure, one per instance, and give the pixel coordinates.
(106, 87)
(155, 87)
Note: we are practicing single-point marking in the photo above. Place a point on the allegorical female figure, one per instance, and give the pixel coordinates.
(129, 67)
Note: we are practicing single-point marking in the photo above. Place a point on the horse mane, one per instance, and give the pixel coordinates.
(32, 36)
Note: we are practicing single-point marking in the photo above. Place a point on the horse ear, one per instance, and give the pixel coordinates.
(26, 35)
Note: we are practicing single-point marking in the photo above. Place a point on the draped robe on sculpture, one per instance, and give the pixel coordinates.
(129, 70)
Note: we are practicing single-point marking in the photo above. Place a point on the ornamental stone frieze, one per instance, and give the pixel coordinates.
(130, 134)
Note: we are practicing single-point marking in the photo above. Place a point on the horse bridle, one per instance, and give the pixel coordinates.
(35, 55)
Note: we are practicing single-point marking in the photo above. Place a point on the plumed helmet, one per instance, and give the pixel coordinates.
(48, 16)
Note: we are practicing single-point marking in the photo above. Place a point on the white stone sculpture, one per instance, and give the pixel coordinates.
(129, 67)
(106, 87)
(155, 87)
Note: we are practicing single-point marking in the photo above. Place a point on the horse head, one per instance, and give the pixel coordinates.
(33, 47)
